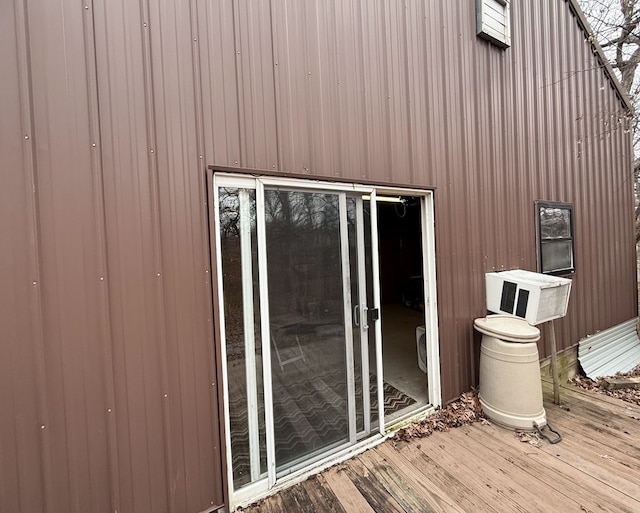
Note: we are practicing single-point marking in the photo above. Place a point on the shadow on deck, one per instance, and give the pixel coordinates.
(484, 468)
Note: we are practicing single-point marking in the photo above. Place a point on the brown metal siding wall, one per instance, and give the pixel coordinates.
(108, 395)
(107, 383)
(405, 93)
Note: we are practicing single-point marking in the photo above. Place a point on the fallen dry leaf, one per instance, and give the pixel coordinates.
(463, 411)
(629, 395)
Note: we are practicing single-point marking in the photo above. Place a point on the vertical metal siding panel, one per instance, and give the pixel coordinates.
(186, 354)
(590, 209)
(359, 166)
(375, 92)
(444, 245)
(163, 110)
(529, 71)
(220, 102)
(256, 85)
(22, 488)
(456, 172)
(286, 151)
(561, 81)
(418, 84)
(502, 197)
(361, 91)
(290, 54)
(349, 88)
(321, 101)
(469, 245)
(548, 136)
(523, 227)
(211, 481)
(105, 481)
(515, 202)
(472, 199)
(576, 313)
(395, 62)
(69, 256)
(136, 319)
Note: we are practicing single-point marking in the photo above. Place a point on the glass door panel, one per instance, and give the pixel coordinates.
(296, 281)
(238, 248)
(307, 320)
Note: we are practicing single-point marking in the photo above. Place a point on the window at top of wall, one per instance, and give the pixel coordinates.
(554, 227)
(493, 21)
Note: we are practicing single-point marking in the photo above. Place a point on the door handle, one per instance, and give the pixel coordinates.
(365, 311)
(357, 316)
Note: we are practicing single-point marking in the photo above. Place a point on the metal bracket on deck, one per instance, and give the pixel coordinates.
(555, 440)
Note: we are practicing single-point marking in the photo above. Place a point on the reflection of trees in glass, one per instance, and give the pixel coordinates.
(229, 205)
(230, 217)
(555, 223)
(301, 211)
(303, 250)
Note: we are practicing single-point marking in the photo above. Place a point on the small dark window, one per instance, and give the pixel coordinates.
(555, 237)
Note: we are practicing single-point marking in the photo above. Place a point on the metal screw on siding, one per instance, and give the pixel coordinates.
(151, 150)
(144, 24)
(158, 274)
(273, 166)
(94, 145)
(201, 157)
(34, 283)
(236, 161)
(42, 427)
(109, 410)
(194, 39)
(26, 137)
(166, 395)
(101, 278)
(86, 7)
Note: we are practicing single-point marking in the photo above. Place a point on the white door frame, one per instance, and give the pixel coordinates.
(262, 486)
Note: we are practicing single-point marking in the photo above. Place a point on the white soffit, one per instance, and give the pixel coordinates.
(610, 351)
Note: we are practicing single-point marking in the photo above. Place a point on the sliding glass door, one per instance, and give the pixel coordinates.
(297, 322)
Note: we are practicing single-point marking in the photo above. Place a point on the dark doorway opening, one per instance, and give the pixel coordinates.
(402, 299)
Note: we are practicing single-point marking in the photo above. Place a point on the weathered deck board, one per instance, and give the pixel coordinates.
(321, 496)
(486, 468)
(547, 469)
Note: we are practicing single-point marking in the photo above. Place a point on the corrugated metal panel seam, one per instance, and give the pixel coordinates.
(103, 271)
(150, 105)
(35, 306)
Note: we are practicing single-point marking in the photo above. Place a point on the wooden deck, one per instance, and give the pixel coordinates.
(484, 468)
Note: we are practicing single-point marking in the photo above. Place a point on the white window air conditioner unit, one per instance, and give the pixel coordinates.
(535, 297)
